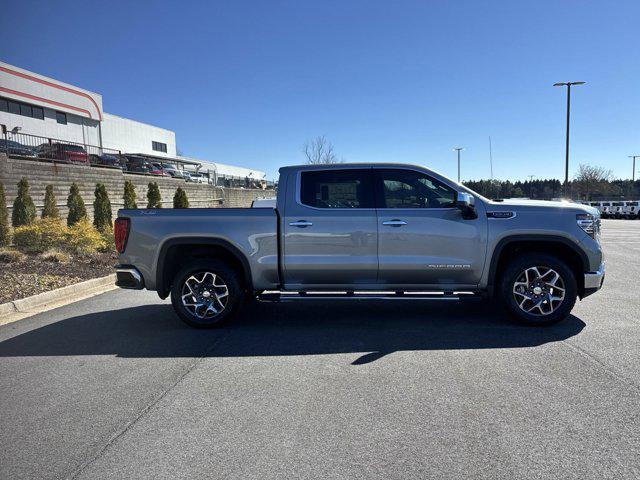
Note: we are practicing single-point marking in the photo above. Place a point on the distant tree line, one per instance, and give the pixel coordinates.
(589, 183)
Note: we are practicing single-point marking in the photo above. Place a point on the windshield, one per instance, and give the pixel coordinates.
(473, 192)
(460, 186)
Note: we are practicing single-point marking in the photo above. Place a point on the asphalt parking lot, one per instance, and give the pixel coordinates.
(116, 387)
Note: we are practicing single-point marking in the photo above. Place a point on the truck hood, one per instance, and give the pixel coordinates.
(543, 205)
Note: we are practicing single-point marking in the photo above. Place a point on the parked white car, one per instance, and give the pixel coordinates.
(632, 209)
(601, 208)
(198, 178)
(194, 177)
(617, 209)
(605, 210)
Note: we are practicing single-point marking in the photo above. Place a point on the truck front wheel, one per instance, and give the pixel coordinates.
(538, 289)
(206, 294)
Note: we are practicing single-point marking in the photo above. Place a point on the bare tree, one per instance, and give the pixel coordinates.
(592, 180)
(320, 151)
(589, 173)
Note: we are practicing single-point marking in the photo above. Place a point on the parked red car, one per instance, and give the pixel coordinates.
(63, 151)
(158, 169)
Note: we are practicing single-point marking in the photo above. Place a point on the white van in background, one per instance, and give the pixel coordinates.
(621, 209)
(603, 208)
(597, 205)
(617, 209)
(632, 209)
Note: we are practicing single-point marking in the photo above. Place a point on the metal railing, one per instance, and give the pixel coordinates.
(17, 144)
(244, 182)
(34, 147)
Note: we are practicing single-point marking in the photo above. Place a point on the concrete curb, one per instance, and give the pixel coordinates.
(68, 293)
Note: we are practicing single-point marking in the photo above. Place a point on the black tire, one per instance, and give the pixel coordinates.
(513, 273)
(225, 274)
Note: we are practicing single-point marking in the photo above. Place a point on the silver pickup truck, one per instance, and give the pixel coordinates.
(353, 231)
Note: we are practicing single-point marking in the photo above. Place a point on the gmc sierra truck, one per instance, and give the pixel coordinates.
(357, 231)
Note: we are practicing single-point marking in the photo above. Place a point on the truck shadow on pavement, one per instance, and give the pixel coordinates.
(372, 328)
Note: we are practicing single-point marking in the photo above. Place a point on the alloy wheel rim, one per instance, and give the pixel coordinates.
(205, 295)
(539, 290)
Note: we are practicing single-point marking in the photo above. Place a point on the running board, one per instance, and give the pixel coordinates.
(295, 296)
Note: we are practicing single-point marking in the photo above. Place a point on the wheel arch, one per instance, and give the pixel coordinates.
(194, 248)
(558, 246)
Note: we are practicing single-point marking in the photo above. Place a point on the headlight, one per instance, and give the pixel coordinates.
(589, 223)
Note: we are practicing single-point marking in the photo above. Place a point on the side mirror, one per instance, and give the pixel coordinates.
(466, 204)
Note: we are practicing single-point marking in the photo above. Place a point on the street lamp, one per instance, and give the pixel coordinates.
(566, 159)
(457, 149)
(633, 175)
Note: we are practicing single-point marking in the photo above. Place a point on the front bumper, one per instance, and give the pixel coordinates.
(593, 281)
(129, 277)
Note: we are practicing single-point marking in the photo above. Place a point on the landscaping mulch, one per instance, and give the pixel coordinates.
(34, 275)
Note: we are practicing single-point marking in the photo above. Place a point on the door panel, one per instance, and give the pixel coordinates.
(330, 230)
(425, 241)
(435, 247)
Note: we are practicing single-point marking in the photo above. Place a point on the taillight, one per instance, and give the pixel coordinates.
(120, 233)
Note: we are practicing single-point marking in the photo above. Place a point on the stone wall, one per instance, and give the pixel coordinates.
(62, 175)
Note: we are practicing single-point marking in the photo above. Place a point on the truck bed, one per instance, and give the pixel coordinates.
(252, 232)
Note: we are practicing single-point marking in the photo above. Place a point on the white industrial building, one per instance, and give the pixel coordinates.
(119, 133)
(33, 104)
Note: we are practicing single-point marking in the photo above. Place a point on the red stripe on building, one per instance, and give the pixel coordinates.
(59, 87)
(46, 100)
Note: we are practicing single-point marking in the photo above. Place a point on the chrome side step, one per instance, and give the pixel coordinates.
(295, 296)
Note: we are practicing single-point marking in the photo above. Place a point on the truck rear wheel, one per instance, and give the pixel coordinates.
(206, 294)
(538, 289)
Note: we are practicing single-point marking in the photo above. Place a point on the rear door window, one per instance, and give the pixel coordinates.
(348, 188)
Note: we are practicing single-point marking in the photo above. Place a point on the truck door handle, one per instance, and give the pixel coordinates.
(300, 223)
(394, 223)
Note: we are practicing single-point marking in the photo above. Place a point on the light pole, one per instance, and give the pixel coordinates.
(457, 149)
(566, 158)
(490, 159)
(633, 174)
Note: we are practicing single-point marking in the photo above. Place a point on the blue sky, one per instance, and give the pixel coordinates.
(248, 82)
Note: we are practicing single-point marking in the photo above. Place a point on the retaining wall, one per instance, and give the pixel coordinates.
(62, 175)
